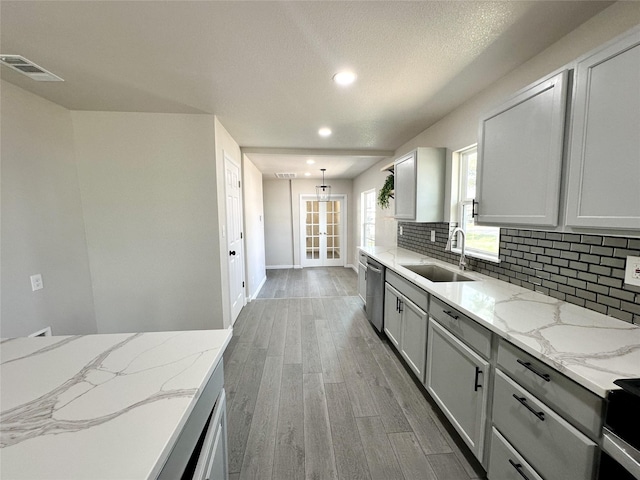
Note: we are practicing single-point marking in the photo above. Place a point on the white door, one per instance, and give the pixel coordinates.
(234, 237)
(322, 231)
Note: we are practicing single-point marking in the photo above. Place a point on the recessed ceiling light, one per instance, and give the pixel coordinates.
(344, 78)
(310, 162)
(307, 174)
(324, 132)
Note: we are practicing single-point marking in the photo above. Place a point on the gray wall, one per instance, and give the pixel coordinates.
(42, 223)
(278, 231)
(253, 227)
(148, 184)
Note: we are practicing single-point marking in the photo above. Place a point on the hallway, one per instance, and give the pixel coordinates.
(315, 393)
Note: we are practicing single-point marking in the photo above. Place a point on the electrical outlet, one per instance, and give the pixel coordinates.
(401, 231)
(433, 235)
(36, 282)
(632, 271)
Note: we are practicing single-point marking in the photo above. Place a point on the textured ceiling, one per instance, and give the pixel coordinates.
(265, 67)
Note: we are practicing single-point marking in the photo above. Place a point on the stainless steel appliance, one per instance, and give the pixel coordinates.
(375, 293)
(621, 433)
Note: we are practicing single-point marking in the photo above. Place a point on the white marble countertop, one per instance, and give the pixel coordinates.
(99, 406)
(588, 347)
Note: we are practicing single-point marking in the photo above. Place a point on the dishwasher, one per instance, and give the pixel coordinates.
(375, 294)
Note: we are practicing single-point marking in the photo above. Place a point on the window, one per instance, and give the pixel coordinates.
(368, 216)
(481, 241)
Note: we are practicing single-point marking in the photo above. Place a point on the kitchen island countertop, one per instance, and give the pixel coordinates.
(590, 348)
(100, 406)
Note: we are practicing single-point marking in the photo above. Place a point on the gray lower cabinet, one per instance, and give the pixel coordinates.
(552, 447)
(457, 380)
(212, 463)
(604, 159)
(405, 324)
(505, 463)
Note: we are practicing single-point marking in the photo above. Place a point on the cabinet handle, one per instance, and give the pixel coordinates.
(397, 304)
(476, 385)
(518, 467)
(528, 366)
(474, 210)
(450, 313)
(523, 401)
(400, 303)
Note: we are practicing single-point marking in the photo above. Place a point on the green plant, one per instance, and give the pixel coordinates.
(386, 192)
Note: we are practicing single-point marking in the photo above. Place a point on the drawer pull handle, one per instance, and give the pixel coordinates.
(400, 304)
(523, 401)
(518, 467)
(450, 313)
(528, 366)
(476, 385)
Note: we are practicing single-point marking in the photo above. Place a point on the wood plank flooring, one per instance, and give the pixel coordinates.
(315, 393)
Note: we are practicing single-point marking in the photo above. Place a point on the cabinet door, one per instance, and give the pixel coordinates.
(604, 160)
(392, 315)
(404, 187)
(414, 336)
(212, 462)
(362, 282)
(520, 157)
(457, 379)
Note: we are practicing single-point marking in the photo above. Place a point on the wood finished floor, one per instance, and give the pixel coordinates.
(315, 393)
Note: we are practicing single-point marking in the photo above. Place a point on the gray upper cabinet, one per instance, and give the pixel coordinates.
(520, 156)
(604, 159)
(419, 180)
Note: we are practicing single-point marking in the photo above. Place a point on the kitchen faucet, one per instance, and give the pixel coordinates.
(463, 262)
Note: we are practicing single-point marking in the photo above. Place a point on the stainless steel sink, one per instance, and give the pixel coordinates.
(437, 274)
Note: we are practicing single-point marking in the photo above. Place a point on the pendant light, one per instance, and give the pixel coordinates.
(323, 192)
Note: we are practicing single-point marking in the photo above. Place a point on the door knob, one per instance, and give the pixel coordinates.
(232, 252)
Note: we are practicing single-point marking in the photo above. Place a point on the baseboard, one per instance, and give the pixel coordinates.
(278, 267)
(255, 295)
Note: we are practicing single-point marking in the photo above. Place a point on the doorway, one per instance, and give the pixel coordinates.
(322, 232)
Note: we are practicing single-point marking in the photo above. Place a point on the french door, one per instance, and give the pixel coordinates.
(322, 231)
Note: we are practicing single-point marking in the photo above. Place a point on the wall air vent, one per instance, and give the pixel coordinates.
(285, 175)
(28, 68)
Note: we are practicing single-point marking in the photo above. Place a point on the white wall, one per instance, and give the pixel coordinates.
(148, 185)
(459, 129)
(278, 223)
(253, 227)
(386, 225)
(42, 223)
(282, 219)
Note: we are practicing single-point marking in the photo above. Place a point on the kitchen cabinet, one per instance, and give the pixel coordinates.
(457, 379)
(405, 322)
(553, 447)
(212, 462)
(362, 277)
(419, 185)
(506, 463)
(520, 148)
(604, 158)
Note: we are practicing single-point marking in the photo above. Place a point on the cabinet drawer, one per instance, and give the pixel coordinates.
(408, 289)
(549, 443)
(505, 463)
(574, 402)
(476, 336)
(363, 258)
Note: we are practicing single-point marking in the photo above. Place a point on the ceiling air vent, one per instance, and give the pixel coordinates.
(285, 175)
(28, 68)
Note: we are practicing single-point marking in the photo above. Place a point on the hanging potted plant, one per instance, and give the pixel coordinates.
(386, 192)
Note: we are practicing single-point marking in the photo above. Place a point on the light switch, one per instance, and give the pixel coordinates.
(401, 231)
(632, 271)
(36, 282)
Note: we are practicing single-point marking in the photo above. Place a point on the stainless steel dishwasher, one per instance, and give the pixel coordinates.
(375, 294)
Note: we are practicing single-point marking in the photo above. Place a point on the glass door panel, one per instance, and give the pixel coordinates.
(321, 229)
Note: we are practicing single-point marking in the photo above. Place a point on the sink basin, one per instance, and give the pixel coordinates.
(437, 274)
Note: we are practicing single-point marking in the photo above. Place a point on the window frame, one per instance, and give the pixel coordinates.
(363, 216)
(462, 200)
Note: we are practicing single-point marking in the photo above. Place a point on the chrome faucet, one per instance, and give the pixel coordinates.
(463, 262)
